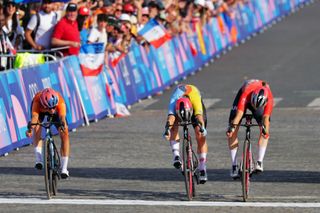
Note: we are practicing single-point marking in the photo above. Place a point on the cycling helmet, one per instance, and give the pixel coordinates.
(259, 98)
(49, 98)
(128, 8)
(184, 109)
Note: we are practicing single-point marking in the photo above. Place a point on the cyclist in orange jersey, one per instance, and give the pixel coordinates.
(256, 96)
(187, 98)
(48, 102)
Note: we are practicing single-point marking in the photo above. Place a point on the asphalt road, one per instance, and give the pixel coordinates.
(126, 159)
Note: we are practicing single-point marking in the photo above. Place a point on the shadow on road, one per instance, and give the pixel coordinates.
(170, 174)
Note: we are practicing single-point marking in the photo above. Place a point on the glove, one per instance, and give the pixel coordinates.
(230, 130)
(29, 133)
(203, 131)
(166, 134)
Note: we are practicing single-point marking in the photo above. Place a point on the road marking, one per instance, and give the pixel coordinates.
(209, 102)
(314, 103)
(144, 103)
(153, 203)
(276, 101)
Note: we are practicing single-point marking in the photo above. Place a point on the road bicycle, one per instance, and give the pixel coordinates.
(190, 160)
(51, 158)
(247, 162)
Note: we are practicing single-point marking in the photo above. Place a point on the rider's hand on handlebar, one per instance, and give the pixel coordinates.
(203, 131)
(230, 130)
(166, 134)
(29, 133)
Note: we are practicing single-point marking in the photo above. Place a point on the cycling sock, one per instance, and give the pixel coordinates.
(64, 164)
(262, 151)
(38, 154)
(233, 153)
(175, 146)
(203, 161)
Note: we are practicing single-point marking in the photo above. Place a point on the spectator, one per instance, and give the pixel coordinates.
(12, 26)
(154, 9)
(118, 11)
(83, 16)
(66, 32)
(5, 44)
(99, 34)
(41, 26)
(126, 26)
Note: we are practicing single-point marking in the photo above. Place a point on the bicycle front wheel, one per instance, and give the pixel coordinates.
(55, 174)
(46, 156)
(188, 169)
(246, 163)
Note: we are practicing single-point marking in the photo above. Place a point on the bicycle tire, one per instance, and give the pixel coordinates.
(187, 169)
(55, 175)
(245, 180)
(46, 168)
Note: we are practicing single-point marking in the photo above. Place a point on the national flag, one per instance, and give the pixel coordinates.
(91, 59)
(154, 33)
(115, 57)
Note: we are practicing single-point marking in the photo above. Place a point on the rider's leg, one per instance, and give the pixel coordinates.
(37, 143)
(65, 150)
(202, 148)
(263, 143)
(233, 146)
(175, 146)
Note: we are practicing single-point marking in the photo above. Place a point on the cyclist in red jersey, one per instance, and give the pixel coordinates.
(49, 103)
(256, 96)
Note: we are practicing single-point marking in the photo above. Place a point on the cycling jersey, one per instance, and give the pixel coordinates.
(186, 90)
(249, 86)
(38, 109)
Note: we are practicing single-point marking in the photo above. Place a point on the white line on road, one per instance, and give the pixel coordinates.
(314, 103)
(36, 201)
(209, 102)
(144, 103)
(276, 101)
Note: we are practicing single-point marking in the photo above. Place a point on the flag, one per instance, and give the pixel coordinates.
(154, 33)
(197, 28)
(91, 59)
(115, 57)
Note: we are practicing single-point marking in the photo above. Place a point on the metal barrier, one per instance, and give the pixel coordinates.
(7, 61)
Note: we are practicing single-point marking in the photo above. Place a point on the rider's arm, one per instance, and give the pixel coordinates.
(34, 114)
(238, 117)
(200, 120)
(170, 121)
(266, 124)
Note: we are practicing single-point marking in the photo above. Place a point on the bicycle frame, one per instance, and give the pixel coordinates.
(190, 162)
(247, 158)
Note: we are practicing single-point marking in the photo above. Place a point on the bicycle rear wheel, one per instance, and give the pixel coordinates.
(245, 176)
(188, 169)
(47, 168)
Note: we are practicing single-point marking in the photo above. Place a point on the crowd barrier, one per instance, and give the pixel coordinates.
(138, 75)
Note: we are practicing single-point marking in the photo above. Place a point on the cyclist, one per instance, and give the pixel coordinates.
(256, 96)
(49, 103)
(186, 105)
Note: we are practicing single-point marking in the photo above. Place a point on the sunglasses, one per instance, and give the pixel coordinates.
(52, 108)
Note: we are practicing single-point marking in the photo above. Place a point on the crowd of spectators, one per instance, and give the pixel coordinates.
(50, 24)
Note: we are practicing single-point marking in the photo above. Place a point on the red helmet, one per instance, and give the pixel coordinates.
(128, 8)
(49, 98)
(184, 109)
(259, 98)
